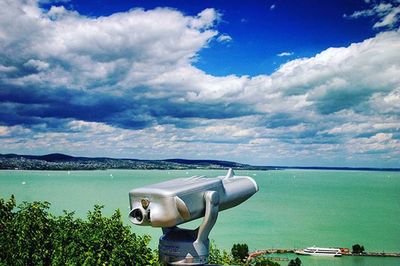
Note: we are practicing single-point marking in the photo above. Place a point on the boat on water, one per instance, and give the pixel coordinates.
(317, 251)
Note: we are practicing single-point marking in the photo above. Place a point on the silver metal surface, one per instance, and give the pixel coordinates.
(181, 200)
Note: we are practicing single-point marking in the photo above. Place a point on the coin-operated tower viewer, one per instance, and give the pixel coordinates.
(171, 203)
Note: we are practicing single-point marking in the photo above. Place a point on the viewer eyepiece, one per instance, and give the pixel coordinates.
(137, 214)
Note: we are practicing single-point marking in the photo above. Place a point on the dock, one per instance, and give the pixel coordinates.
(257, 253)
(375, 254)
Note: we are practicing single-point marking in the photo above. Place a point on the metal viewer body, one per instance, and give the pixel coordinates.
(181, 200)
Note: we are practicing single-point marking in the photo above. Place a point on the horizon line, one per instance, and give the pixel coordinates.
(218, 160)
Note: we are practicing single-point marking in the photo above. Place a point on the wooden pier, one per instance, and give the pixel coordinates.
(375, 254)
(257, 253)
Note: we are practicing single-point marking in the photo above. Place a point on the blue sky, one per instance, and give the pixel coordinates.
(309, 83)
(260, 29)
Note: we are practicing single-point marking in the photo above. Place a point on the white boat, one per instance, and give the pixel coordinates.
(316, 251)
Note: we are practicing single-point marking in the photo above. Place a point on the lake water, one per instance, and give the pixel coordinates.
(293, 209)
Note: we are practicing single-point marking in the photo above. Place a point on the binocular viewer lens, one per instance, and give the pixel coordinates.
(137, 214)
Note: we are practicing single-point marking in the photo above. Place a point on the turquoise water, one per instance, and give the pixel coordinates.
(293, 209)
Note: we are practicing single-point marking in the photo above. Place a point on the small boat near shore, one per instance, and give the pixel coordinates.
(318, 251)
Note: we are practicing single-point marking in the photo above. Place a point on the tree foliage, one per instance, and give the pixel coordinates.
(224, 258)
(295, 262)
(263, 261)
(357, 249)
(30, 235)
(240, 252)
(217, 256)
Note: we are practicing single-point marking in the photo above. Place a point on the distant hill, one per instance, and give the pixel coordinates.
(59, 161)
(206, 162)
(53, 157)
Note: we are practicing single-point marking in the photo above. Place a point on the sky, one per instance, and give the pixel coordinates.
(295, 83)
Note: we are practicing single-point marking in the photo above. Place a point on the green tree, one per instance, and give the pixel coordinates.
(31, 228)
(295, 262)
(357, 249)
(263, 261)
(240, 252)
(6, 217)
(219, 257)
(32, 236)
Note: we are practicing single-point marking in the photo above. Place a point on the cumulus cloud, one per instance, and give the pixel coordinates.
(386, 13)
(99, 48)
(343, 78)
(97, 60)
(127, 82)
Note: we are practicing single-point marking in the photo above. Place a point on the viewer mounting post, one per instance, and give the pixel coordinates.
(181, 200)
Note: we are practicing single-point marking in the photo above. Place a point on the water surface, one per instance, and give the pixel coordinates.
(293, 209)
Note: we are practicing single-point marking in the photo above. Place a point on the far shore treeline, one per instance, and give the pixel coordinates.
(31, 235)
(58, 161)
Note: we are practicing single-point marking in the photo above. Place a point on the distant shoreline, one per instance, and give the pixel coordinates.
(62, 162)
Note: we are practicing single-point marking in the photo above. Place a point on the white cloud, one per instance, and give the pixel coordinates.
(224, 38)
(83, 126)
(4, 131)
(53, 1)
(37, 64)
(138, 65)
(366, 127)
(386, 103)
(99, 48)
(383, 142)
(14, 131)
(7, 68)
(205, 19)
(272, 7)
(285, 54)
(390, 19)
(386, 13)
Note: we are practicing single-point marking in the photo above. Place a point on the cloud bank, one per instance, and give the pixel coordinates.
(125, 85)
